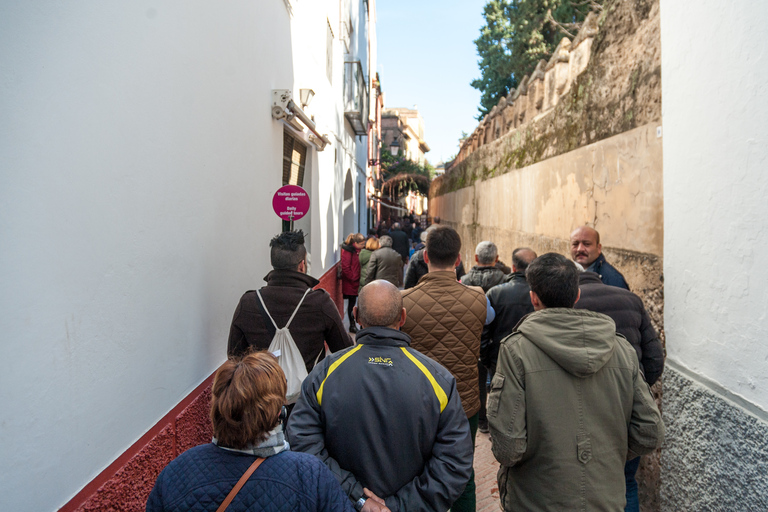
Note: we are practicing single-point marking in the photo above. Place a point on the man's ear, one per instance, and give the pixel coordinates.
(578, 296)
(403, 315)
(458, 260)
(477, 260)
(302, 267)
(535, 301)
(354, 314)
(497, 259)
(426, 258)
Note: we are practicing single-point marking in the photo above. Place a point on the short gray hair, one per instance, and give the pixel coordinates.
(385, 241)
(486, 252)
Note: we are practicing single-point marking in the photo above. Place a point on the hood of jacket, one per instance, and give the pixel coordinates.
(484, 277)
(290, 278)
(580, 341)
(378, 335)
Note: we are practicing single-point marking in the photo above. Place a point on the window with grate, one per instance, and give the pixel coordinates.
(294, 159)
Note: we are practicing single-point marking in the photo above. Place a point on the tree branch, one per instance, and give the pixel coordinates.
(559, 25)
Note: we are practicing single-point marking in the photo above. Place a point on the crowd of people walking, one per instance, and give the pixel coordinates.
(552, 357)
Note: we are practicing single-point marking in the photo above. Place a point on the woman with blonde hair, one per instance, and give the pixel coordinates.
(350, 273)
(365, 256)
(249, 461)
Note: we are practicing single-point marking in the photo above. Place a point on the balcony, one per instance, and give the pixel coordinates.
(356, 97)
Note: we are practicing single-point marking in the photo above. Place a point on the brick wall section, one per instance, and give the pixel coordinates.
(124, 485)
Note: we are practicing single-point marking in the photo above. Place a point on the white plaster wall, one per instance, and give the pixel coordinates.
(308, 35)
(715, 117)
(138, 159)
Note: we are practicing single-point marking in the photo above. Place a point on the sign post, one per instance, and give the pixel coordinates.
(290, 203)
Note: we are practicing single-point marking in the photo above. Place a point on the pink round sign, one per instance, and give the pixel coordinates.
(290, 202)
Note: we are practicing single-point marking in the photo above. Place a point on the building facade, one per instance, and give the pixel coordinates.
(141, 148)
(403, 133)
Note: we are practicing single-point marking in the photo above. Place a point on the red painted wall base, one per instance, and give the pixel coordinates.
(124, 485)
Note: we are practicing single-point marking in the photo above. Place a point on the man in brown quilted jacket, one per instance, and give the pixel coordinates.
(445, 320)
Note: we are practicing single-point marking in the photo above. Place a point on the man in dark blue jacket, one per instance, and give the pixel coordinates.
(386, 419)
(632, 321)
(400, 241)
(588, 252)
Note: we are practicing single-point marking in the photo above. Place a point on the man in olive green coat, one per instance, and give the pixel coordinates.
(568, 403)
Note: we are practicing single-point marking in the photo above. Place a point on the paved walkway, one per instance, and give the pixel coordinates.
(485, 475)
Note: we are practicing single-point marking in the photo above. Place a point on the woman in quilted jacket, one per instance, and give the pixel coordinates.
(350, 273)
(246, 405)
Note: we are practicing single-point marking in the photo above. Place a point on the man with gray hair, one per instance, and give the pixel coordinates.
(511, 300)
(485, 274)
(385, 263)
(384, 394)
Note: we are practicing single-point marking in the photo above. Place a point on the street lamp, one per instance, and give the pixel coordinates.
(394, 147)
(306, 96)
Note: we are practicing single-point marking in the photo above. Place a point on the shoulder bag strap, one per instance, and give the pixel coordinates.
(297, 307)
(239, 485)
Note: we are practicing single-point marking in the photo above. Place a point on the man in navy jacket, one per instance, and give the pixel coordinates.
(386, 419)
(587, 251)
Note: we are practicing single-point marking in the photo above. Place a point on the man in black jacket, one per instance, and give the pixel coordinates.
(400, 242)
(632, 321)
(511, 301)
(316, 322)
(385, 418)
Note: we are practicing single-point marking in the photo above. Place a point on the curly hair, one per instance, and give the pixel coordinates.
(287, 250)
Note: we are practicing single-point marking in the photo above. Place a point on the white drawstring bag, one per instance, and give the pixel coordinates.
(288, 356)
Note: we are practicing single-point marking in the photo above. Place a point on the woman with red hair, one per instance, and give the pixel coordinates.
(246, 412)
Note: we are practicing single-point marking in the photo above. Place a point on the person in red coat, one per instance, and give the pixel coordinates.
(350, 273)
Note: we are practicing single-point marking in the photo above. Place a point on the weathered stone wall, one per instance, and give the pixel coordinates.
(716, 454)
(578, 143)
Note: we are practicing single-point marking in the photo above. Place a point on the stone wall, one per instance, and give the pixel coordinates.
(578, 143)
(716, 455)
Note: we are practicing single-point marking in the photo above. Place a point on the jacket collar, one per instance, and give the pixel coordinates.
(478, 268)
(588, 277)
(595, 265)
(440, 275)
(290, 278)
(383, 336)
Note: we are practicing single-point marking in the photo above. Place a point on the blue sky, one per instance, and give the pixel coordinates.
(427, 57)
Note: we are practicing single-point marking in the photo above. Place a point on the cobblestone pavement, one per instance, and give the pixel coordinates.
(485, 475)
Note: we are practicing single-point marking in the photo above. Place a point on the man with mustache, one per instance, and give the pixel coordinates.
(587, 251)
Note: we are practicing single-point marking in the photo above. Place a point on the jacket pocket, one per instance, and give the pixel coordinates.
(583, 448)
(497, 383)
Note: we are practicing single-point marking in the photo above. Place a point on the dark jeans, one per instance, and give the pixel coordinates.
(482, 377)
(351, 300)
(633, 502)
(467, 502)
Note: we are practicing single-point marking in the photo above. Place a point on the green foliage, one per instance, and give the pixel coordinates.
(393, 165)
(516, 35)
